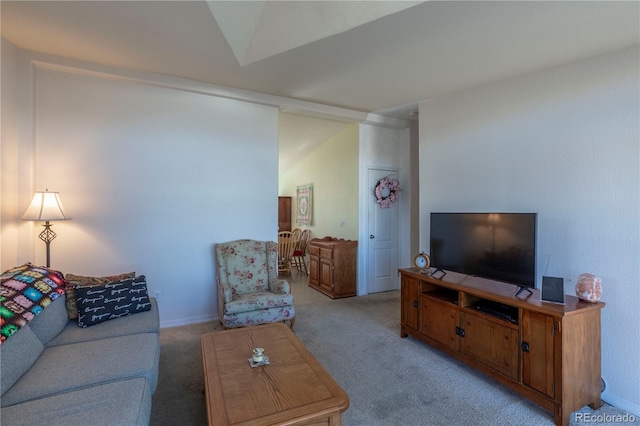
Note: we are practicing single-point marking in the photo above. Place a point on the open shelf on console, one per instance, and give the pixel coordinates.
(492, 308)
(444, 294)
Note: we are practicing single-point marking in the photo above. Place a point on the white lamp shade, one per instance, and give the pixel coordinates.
(45, 206)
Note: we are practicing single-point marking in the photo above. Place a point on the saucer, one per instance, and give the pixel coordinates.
(264, 361)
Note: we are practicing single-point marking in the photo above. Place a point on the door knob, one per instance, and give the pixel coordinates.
(371, 237)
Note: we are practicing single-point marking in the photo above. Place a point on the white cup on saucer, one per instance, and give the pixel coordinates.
(258, 355)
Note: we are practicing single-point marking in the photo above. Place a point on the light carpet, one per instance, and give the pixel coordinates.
(389, 380)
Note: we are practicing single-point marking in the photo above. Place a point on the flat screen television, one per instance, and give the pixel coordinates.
(497, 246)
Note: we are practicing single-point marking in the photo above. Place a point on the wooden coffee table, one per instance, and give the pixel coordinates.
(294, 389)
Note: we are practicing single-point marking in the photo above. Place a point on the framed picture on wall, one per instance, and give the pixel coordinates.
(304, 195)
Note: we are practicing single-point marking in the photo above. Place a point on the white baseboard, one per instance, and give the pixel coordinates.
(621, 403)
(188, 321)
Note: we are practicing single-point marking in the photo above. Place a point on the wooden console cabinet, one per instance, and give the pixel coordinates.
(549, 353)
(332, 266)
(284, 214)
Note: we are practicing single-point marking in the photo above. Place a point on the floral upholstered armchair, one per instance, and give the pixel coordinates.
(249, 291)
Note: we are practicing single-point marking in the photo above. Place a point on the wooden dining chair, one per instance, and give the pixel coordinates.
(286, 246)
(299, 256)
(295, 234)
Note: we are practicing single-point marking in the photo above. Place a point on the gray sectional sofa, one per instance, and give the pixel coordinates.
(55, 373)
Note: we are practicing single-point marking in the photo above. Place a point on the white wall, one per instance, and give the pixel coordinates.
(9, 156)
(152, 176)
(563, 143)
(332, 168)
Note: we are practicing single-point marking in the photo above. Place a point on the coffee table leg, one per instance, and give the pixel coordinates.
(335, 420)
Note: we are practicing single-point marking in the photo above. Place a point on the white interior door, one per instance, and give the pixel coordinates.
(382, 247)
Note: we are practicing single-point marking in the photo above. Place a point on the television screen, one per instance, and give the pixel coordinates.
(498, 246)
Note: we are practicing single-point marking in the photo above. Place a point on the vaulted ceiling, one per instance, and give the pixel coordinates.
(373, 56)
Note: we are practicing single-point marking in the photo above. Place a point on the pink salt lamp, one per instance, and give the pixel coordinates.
(589, 288)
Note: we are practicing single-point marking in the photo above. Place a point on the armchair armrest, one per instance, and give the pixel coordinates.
(225, 290)
(279, 286)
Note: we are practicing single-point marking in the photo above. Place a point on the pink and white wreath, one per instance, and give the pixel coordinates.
(387, 191)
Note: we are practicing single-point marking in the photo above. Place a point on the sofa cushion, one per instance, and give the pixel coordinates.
(17, 355)
(81, 280)
(51, 321)
(257, 301)
(82, 365)
(261, 316)
(142, 322)
(99, 303)
(126, 402)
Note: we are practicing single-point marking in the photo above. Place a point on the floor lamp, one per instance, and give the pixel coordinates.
(46, 206)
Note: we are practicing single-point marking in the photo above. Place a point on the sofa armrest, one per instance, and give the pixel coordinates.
(279, 286)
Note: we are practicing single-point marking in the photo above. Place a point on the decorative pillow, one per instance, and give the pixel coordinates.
(79, 280)
(99, 303)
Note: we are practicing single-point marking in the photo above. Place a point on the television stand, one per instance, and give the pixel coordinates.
(548, 353)
(521, 289)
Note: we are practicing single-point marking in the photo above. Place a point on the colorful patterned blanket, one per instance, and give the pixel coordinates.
(24, 292)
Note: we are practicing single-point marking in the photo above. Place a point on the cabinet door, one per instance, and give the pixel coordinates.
(314, 270)
(284, 214)
(326, 274)
(410, 287)
(494, 345)
(439, 320)
(344, 269)
(537, 352)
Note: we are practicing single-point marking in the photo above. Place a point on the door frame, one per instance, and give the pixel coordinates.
(392, 147)
(366, 270)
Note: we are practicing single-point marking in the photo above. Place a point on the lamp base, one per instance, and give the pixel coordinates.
(47, 235)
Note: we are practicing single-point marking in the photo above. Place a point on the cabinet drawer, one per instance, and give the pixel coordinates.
(314, 250)
(326, 253)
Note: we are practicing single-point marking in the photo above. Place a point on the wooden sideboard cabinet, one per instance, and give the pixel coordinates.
(332, 266)
(547, 352)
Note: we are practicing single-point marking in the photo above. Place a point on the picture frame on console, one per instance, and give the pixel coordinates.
(552, 290)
